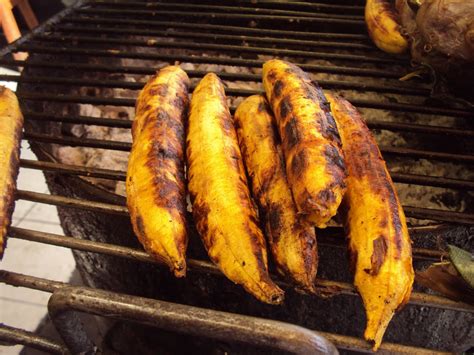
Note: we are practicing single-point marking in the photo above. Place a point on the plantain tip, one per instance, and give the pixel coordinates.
(179, 269)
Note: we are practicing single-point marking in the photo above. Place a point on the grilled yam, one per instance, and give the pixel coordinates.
(379, 243)
(156, 196)
(11, 125)
(293, 246)
(383, 27)
(223, 211)
(310, 141)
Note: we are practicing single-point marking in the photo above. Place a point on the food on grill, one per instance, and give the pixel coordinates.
(293, 246)
(379, 243)
(383, 27)
(11, 125)
(223, 211)
(310, 141)
(441, 34)
(156, 193)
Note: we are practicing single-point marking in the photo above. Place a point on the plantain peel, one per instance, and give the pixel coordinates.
(223, 211)
(293, 246)
(383, 26)
(11, 125)
(379, 243)
(310, 141)
(156, 193)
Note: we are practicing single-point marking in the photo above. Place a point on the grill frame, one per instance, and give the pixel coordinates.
(343, 342)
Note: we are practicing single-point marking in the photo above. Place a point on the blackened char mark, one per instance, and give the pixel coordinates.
(158, 90)
(278, 88)
(333, 157)
(292, 136)
(299, 164)
(379, 254)
(274, 215)
(285, 107)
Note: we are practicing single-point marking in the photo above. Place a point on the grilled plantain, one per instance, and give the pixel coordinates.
(310, 141)
(11, 125)
(293, 246)
(379, 243)
(383, 28)
(156, 194)
(223, 211)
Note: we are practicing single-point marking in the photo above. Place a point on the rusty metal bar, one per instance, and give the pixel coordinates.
(299, 4)
(14, 336)
(216, 28)
(71, 202)
(327, 287)
(213, 36)
(217, 47)
(120, 175)
(318, 18)
(178, 318)
(125, 146)
(150, 7)
(131, 85)
(74, 169)
(351, 343)
(126, 123)
(117, 53)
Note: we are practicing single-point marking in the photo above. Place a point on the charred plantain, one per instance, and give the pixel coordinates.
(379, 243)
(156, 194)
(383, 27)
(11, 125)
(310, 141)
(293, 246)
(223, 211)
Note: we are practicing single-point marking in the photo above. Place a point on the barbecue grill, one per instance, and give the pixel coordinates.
(84, 70)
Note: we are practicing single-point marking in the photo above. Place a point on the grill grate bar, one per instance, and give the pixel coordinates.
(217, 28)
(415, 212)
(126, 123)
(319, 18)
(151, 43)
(342, 341)
(120, 175)
(121, 84)
(211, 36)
(152, 7)
(126, 102)
(15, 336)
(327, 286)
(125, 146)
(252, 63)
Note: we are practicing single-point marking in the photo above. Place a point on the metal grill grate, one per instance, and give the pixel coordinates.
(226, 35)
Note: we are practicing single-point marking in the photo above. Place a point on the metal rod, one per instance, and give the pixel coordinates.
(319, 18)
(423, 180)
(126, 123)
(218, 47)
(226, 9)
(122, 84)
(73, 169)
(351, 343)
(439, 215)
(211, 36)
(217, 28)
(254, 63)
(308, 5)
(178, 318)
(125, 146)
(71, 202)
(15, 336)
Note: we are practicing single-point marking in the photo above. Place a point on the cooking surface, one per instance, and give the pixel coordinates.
(84, 73)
